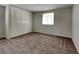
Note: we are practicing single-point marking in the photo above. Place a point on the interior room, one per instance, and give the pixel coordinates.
(39, 29)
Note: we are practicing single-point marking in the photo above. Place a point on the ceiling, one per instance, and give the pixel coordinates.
(41, 7)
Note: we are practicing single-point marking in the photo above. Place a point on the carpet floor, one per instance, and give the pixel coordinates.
(37, 43)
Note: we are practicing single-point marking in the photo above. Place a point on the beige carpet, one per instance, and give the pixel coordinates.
(36, 43)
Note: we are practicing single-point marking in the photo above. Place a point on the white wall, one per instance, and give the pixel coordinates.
(7, 21)
(62, 26)
(18, 22)
(75, 26)
(2, 21)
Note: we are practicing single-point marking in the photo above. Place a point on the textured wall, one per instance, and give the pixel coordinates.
(20, 22)
(62, 26)
(75, 26)
(2, 21)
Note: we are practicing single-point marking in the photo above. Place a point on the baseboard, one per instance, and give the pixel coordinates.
(54, 35)
(2, 37)
(75, 46)
(7, 37)
(19, 35)
(33, 32)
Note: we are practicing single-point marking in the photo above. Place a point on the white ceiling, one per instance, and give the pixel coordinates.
(41, 7)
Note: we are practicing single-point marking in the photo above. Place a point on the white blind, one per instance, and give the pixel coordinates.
(48, 19)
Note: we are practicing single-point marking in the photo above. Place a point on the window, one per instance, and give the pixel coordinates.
(48, 19)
